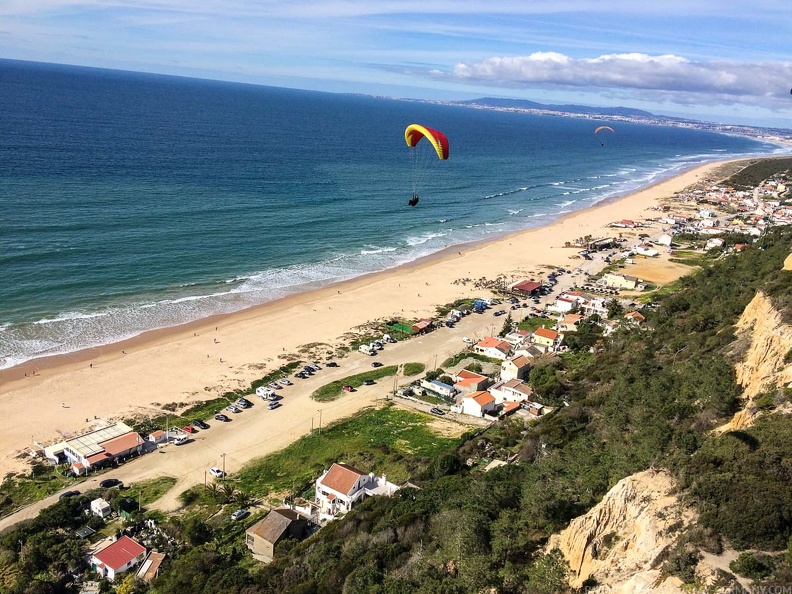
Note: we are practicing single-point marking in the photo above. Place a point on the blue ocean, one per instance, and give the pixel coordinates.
(130, 202)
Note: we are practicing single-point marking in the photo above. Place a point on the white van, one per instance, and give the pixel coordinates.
(180, 439)
(366, 349)
(264, 392)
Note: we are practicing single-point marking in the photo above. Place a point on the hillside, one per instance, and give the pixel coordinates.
(628, 485)
(650, 399)
(581, 109)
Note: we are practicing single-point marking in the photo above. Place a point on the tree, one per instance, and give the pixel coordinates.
(131, 585)
(615, 309)
(548, 574)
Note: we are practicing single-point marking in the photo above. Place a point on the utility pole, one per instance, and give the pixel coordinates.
(223, 456)
(320, 421)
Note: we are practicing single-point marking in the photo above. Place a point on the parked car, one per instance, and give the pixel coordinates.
(308, 369)
(200, 424)
(273, 405)
(239, 514)
(234, 409)
(188, 429)
(222, 417)
(315, 366)
(467, 340)
(348, 388)
(331, 364)
(369, 382)
(110, 483)
(376, 364)
(286, 382)
(437, 411)
(244, 402)
(216, 472)
(275, 386)
(67, 494)
(500, 312)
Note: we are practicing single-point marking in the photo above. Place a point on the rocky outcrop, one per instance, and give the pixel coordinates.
(618, 542)
(766, 341)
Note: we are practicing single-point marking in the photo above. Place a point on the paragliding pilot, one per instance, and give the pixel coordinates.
(414, 200)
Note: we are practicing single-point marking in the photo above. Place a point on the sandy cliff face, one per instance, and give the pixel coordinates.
(762, 365)
(620, 538)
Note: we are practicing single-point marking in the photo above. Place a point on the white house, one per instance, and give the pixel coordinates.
(514, 390)
(531, 351)
(478, 404)
(715, 242)
(493, 347)
(101, 508)
(117, 558)
(342, 487)
(515, 367)
(517, 337)
(563, 303)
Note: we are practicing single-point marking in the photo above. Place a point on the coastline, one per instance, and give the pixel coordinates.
(199, 360)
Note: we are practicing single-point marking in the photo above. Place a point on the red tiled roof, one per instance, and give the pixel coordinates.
(466, 374)
(122, 444)
(482, 398)
(527, 286)
(635, 315)
(546, 333)
(572, 318)
(491, 342)
(341, 478)
(509, 407)
(120, 553)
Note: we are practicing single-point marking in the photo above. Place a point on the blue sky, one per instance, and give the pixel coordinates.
(728, 61)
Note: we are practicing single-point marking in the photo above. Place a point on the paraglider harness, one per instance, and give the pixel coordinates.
(414, 200)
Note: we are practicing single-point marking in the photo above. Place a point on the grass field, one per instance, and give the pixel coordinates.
(374, 440)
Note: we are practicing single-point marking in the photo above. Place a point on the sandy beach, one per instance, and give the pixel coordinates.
(61, 396)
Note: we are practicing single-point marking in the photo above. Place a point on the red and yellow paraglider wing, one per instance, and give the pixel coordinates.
(414, 133)
(604, 128)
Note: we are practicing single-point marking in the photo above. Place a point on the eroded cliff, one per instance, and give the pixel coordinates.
(619, 540)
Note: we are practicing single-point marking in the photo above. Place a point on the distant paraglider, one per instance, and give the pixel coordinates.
(426, 147)
(600, 129)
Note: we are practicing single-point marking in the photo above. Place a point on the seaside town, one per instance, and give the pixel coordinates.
(502, 370)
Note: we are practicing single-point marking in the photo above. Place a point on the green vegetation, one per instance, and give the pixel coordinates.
(149, 491)
(334, 390)
(531, 324)
(18, 490)
(387, 440)
(459, 357)
(690, 258)
(756, 173)
(411, 369)
(646, 397)
(753, 566)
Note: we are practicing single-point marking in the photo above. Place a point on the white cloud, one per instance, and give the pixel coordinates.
(675, 78)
